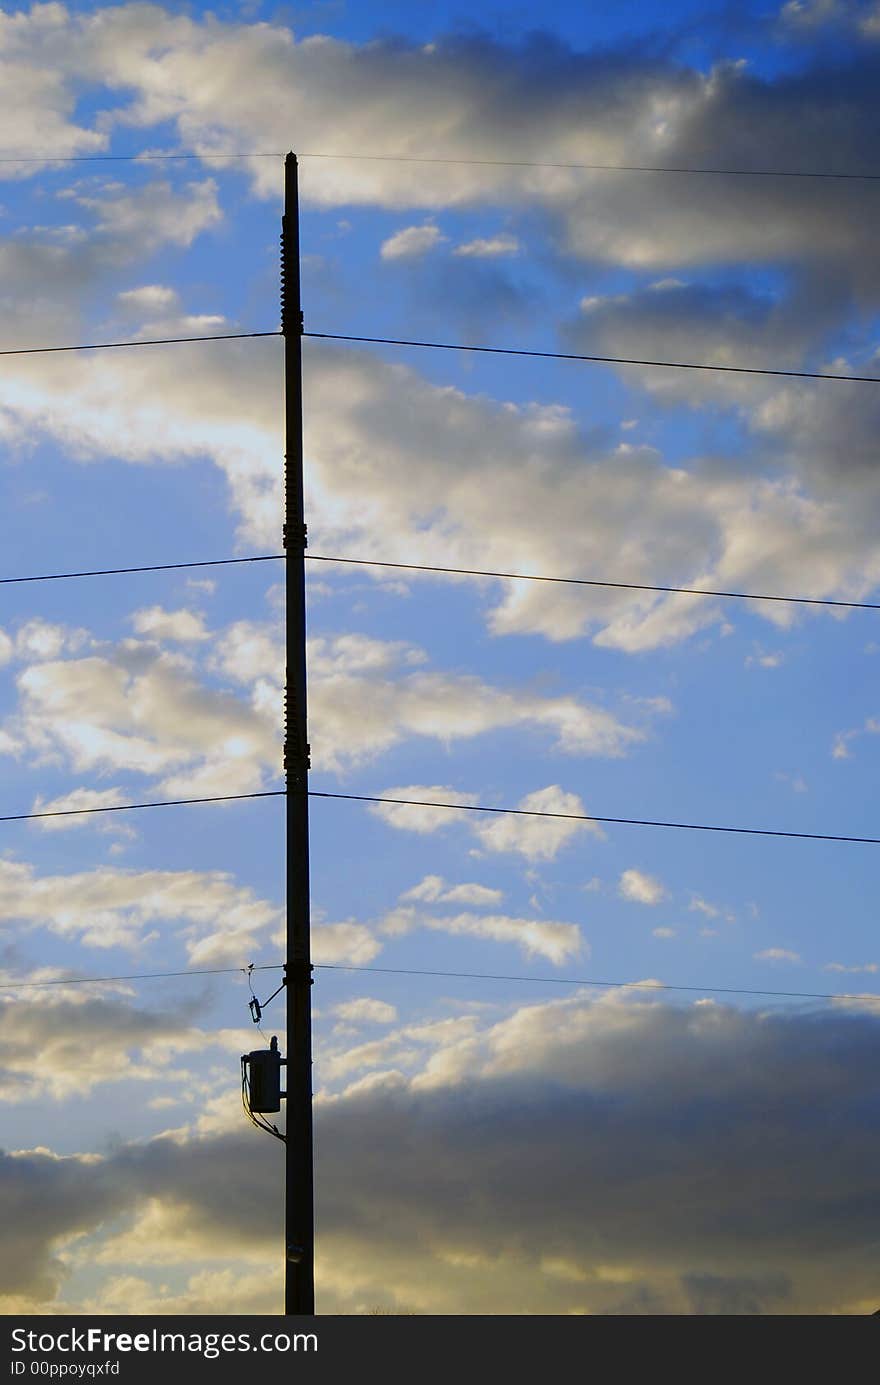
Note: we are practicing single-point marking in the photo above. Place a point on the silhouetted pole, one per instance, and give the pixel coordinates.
(299, 1278)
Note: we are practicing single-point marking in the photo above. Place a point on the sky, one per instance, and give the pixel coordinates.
(483, 1145)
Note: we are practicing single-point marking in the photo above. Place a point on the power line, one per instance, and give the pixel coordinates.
(591, 582)
(450, 346)
(453, 571)
(602, 167)
(208, 154)
(125, 158)
(154, 567)
(116, 345)
(599, 360)
(594, 817)
(454, 807)
(11, 983)
(582, 981)
(130, 807)
(14, 983)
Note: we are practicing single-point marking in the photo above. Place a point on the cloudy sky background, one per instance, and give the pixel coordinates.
(492, 1147)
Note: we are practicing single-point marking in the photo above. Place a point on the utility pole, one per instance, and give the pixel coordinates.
(299, 1274)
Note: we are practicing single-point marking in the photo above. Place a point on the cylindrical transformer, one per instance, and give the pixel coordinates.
(264, 1078)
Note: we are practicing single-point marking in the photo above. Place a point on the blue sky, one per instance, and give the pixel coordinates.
(620, 704)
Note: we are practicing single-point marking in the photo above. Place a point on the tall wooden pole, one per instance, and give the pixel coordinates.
(299, 1279)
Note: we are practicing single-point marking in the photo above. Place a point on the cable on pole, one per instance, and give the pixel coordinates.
(594, 817)
(20, 984)
(131, 807)
(208, 154)
(596, 360)
(593, 582)
(456, 572)
(119, 345)
(452, 807)
(153, 567)
(590, 981)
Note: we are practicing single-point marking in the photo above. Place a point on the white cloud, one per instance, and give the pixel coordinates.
(365, 1010)
(777, 954)
(558, 942)
(413, 818)
(702, 906)
(863, 967)
(137, 708)
(434, 890)
(84, 801)
(344, 942)
(181, 626)
(641, 888)
(537, 838)
(219, 921)
(411, 242)
(490, 247)
(155, 214)
(149, 298)
(364, 705)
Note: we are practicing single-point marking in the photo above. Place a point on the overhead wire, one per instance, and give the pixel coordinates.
(452, 807)
(143, 341)
(592, 359)
(601, 167)
(592, 582)
(152, 567)
(454, 571)
(13, 983)
(452, 346)
(593, 817)
(131, 807)
(591, 167)
(137, 976)
(591, 981)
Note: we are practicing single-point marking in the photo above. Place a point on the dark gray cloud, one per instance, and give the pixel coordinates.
(577, 1156)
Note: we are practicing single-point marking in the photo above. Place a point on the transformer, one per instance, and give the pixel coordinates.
(263, 1068)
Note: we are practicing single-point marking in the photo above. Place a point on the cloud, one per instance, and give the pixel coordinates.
(156, 214)
(344, 942)
(438, 1209)
(490, 247)
(411, 243)
(364, 705)
(863, 967)
(640, 888)
(149, 298)
(558, 942)
(219, 921)
(85, 1041)
(411, 817)
(536, 838)
(83, 801)
(777, 954)
(365, 1010)
(136, 707)
(180, 626)
(434, 890)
